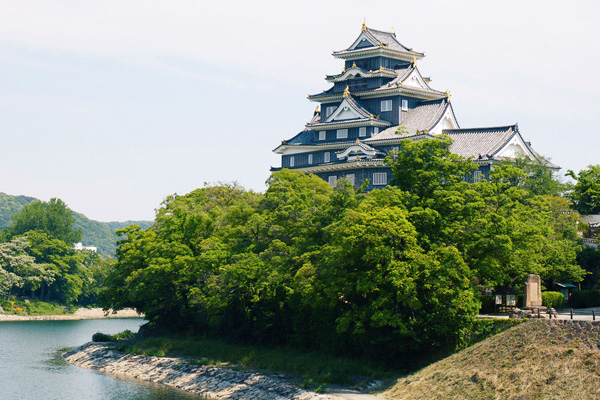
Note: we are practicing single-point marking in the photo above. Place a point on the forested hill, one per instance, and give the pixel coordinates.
(102, 234)
(95, 233)
(10, 205)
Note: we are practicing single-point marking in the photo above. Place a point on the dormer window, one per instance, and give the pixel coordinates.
(329, 111)
(404, 105)
(362, 131)
(386, 105)
(322, 135)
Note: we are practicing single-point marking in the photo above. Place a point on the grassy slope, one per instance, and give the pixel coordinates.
(535, 360)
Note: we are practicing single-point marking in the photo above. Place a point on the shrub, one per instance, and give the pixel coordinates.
(553, 299)
(585, 298)
(101, 337)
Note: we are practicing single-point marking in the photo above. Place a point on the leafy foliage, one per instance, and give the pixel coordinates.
(586, 192)
(553, 299)
(53, 217)
(94, 233)
(327, 269)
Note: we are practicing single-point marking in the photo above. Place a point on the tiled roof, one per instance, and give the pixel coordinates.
(356, 106)
(480, 143)
(403, 73)
(540, 157)
(387, 38)
(382, 39)
(305, 136)
(421, 118)
(362, 145)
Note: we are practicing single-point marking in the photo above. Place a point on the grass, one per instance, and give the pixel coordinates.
(32, 307)
(314, 369)
(535, 360)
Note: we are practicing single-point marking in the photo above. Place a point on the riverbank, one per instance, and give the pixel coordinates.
(82, 313)
(208, 381)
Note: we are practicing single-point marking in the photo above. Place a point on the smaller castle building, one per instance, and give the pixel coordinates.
(379, 99)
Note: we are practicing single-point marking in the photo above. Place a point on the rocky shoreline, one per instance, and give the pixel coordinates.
(82, 313)
(208, 381)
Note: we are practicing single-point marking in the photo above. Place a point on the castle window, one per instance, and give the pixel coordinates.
(362, 131)
(342, 133)
(380, 178)
(329, 111)
(291, 161)
(357, 84)
(375, 130)
(386, 105)
(350, 178)
(477, 176)
(404, 105)
(322, 135)
(326, 157)
(310, 160)
(332, 179)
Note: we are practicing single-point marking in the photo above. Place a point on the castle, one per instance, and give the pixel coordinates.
(379, 99)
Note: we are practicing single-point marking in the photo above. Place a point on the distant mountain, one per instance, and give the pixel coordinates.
(115, 226)
(10, 205)
(95, 233)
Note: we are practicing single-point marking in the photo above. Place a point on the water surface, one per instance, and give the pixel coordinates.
(31, 366)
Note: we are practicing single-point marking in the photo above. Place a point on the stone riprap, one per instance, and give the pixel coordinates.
(82, 313)
(208, 381)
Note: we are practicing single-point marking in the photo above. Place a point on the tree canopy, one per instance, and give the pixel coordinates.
(53, 217)
(321, 267)
(586, 192)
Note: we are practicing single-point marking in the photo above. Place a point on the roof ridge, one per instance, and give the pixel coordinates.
(484, 128)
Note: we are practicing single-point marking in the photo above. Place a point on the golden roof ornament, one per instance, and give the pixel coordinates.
(346, 92)
(371, 117)
(357, 141)
(448, 95)
(364, 25)
(318, 109)
(353, 65)
(414, 61)
(393, 31)
(380, 69)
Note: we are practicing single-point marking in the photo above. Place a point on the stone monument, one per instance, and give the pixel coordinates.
(533, 292)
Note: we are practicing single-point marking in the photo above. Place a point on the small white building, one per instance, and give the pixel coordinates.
(80, 246)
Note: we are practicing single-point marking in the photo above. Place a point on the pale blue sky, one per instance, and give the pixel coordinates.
(112, 106)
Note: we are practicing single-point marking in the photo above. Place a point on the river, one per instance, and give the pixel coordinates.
(31, 366)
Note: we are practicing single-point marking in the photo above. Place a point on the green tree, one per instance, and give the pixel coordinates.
(586, 192)
(53, 217)
(539, 179)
